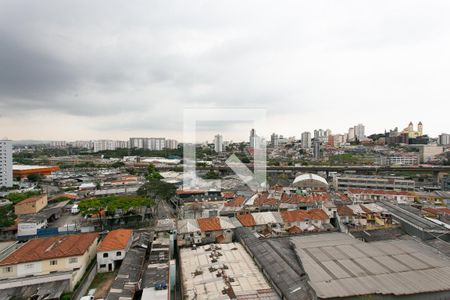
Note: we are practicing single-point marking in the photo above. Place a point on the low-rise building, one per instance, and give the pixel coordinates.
(369, 195)
(222, 271)
(112, 249)
(65, 253)
(204, 230)
(31, 205)
(428, 153)
(346, 181)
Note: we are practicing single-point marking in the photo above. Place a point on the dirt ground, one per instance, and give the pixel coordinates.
(101, 283)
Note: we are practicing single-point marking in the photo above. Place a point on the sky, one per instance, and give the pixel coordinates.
(79, 70)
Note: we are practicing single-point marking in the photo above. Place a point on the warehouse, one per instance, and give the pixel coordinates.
(339, 266)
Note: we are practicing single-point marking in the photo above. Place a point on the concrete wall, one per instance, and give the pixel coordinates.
(24, 208)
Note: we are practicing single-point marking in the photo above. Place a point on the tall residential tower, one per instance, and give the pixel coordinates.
(6, 165)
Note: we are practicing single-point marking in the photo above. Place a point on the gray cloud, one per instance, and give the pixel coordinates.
(120, 67)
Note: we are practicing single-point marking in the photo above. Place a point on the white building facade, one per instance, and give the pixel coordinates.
(218, 143)
(6, 163)
(306, 140)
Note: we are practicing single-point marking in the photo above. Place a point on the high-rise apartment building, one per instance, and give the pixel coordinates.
(103, 145)
(218, 143)
(444, 139)
(137, 142)
(171, 144)
(351, 134)
(155, 143)
(316, 149)
(360, 132)
(6, 164)
(306, 140)
(253, 140)
(274, 140)
(58, 144)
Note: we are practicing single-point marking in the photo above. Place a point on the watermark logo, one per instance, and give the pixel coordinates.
(195, 118)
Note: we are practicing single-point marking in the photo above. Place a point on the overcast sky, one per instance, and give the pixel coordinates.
(114, 69)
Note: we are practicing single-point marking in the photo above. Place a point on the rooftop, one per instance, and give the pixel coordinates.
(341, 266)
(31, 167)
(32, 199)
(223, 271)
(115, 240)
(51, 247)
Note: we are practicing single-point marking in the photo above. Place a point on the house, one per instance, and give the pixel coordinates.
(188, 232)
(216, 229)
(268, 221)
(296, 221)
(31, 205)
(64, 254)
(204, 231)
(319, 217)
(112, 249)
(436, 212)
(345, 214)
(246, 220)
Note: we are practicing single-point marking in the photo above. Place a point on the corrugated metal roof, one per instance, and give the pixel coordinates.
(340, 266)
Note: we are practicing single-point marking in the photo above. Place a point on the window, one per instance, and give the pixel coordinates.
(73, 260)
(118, 253)
(102, 266)
(105, 254)
(7, 270)
(53, 262)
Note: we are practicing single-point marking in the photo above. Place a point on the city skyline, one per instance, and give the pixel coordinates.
(64, 76)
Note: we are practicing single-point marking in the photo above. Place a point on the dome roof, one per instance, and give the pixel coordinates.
(310, 179)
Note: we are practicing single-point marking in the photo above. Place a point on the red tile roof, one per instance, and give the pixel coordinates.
(437, 210)
(220, 238)
(236, 202)
(264, 199)
(294, 229)
(344, 211)
(444, 210)
(294, 216)
(228, 195)
(246, 220)
(297, 199)
(51, 248)
(209, 224)
(115, 240)
(317, 214)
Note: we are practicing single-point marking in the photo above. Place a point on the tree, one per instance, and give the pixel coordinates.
(17, 197)
(157, 189)
(211, 175)
(7, 216)
(34, 177)
(152, 173)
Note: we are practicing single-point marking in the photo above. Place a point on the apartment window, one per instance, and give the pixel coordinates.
(73, 260)
(105, 254)
(118, 253)
(53, 262)
(7, 270)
